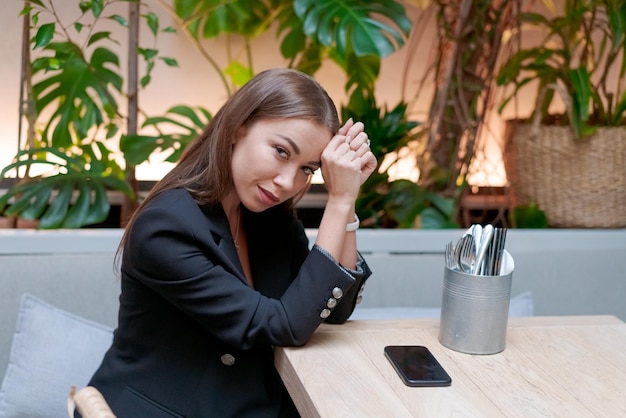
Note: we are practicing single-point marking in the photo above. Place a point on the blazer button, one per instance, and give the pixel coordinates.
(337, 293)
(227, 359)
(332, 302)
(325, 313)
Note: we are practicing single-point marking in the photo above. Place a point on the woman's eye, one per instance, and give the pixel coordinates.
(282, 152)
(309, 171)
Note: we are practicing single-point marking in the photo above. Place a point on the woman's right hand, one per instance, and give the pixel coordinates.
(347, 161)
(360, 143)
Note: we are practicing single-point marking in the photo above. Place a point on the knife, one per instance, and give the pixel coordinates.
(485, 239)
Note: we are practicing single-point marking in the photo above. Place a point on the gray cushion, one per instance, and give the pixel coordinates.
(51, 350)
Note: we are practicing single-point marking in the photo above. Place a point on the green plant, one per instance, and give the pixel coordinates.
(179, 126)
(390, 203)
(582, 57)
(527, 216)
(89, 170)
(74, 88)
(352, 33)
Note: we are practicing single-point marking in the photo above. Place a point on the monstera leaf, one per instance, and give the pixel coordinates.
(89, 171)
(211, 18)
(355, 25)
(80, 92)
(177, 128)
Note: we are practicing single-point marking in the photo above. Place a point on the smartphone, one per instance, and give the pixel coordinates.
(416, 366)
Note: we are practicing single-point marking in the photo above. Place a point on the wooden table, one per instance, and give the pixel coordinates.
(572, 366)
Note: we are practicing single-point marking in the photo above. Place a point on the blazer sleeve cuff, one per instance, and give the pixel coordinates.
(360, 263)
(354, 295)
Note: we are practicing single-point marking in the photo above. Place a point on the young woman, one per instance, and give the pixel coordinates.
(216, 269)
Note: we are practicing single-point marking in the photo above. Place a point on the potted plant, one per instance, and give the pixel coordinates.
(571, 161)
(399, 203)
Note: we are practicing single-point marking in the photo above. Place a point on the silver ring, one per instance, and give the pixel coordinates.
(368, 142)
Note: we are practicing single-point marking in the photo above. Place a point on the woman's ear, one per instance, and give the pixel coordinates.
(239, 133)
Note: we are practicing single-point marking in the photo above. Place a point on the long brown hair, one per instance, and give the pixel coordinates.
(205, 167)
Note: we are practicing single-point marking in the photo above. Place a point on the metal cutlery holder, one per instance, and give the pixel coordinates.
(475, 310)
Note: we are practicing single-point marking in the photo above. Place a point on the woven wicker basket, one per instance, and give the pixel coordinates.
(578, 184)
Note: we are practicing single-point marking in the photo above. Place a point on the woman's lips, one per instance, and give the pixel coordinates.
(267, 197)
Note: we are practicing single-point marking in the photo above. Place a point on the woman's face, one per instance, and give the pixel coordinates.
(274, 159)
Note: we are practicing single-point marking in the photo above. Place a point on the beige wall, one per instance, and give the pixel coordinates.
(9, 79)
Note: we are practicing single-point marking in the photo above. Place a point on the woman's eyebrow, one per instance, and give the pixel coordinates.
(296, 149)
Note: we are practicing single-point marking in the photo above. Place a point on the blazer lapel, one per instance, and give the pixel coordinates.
(219, 230)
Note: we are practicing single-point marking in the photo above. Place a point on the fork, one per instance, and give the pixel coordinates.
(466, 253)
(450, 257)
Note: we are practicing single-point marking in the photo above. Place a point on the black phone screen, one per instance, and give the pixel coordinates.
(417, 366)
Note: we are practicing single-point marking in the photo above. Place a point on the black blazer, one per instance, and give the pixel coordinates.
(193, 339)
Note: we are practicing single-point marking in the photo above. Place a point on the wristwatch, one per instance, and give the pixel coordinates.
(353, 226)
